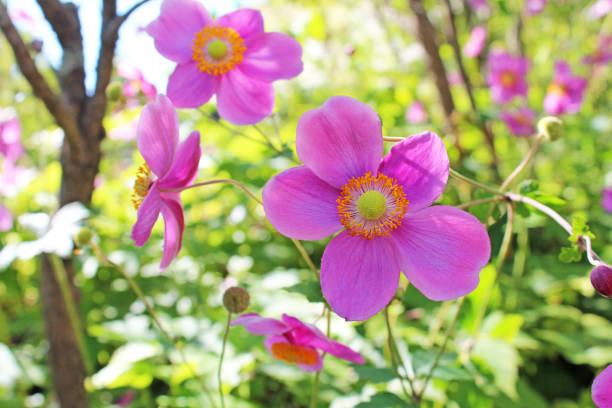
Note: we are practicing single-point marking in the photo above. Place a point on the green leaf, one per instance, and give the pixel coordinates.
(385, 400)
(310, 289)
(374, 374)
(569, 255)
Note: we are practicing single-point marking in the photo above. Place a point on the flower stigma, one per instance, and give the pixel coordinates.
(142, 185)
(217, 50)
(371, 206)
(508, 78)
(294, 354)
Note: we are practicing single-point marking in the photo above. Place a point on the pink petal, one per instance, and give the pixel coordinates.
(358, 276)
(6, 219)
(188, 87)
(476, 42)
(420, 165)
(157, 134)
(444, 249)
(245, 21)
(174, 223)
(243, 100)
(340, 140)
(255, 324)
(272, 56)
(185, 163)
(271, 340)
(175, 28)
(146, 216)
(602, 389)
(300, 205)
(308, 334)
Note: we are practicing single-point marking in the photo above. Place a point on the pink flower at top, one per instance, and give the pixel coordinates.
(476, 42)
(602, 389)
(599, 9)
(380, 207)
(606, 199)
(6, 219)
(10, 136)
(231, 57)
(520, 121)
(565, 92)
(169, 165)
(295, 342)
(603, 53)
(136, 83)
(416, 113)
(535, 6)
(507, 76)
(478, 5)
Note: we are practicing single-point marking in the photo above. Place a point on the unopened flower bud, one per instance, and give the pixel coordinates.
(601, 278)
(84, 237)
(550, 127)
(236, 299)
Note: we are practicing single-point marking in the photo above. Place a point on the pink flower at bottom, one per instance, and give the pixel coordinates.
(606, 199)
(602, 389)
(168, 165)
(380, 207)
(520, 121)
(295, 342)
(476, 42)
(565, 92)
(230, 56)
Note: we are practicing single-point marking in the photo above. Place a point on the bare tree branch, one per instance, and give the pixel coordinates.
(133, 9)
(55, 105)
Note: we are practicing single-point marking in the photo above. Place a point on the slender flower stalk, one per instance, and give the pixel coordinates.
(454, 173)
(225, 334)
(395, 356)
(315, 384)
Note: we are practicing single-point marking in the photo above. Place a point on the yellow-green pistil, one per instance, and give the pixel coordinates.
(217, 49)
(372, 204)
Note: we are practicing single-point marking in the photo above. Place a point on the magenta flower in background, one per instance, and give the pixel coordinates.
(296, 342)
(599, 9)
(476, 42)
(520, 121)
(603, 53)
(601, 279)
(6, 219)
(10, 136)
(565, 92)
(606, 199)
(381, 207)
(478, 5)
(135, 83)
(168, 165)
(535, 6)
(231, 57)
(507, 76)
(602, 389)
(416, 113)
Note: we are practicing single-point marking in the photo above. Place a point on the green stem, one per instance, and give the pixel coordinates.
(225, 334)
(395, 356)
(61, 276)
(315, 384)
(454, 173)
(478, 202)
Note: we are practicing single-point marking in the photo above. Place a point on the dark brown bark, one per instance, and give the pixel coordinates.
(81, 118)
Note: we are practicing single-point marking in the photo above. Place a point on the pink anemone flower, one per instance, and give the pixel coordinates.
(476, 42)
(6, 219)
(477, 5)
(169, 165)
(10, 136)
(135, 82)
(606, 199)
(231, 57)
(381, 207)
(565, 92)
(602, 389)
(599, 9)
(416, 113)
(296, 342)
(603, 53)
(520, 121)
(535, 6)
(507, 76)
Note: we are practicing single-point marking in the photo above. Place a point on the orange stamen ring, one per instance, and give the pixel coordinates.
(217, 60)
(295, 354)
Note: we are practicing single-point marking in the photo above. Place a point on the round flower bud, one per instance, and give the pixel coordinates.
(550, 127)
(84, 237)
(236, 299)
(601, 278)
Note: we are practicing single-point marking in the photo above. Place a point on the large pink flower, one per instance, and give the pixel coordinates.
(602, 389)
(507, 76)
(565, 92)
(520, 121)
(381, 207)
(169, 165)
(231, 56)
(296, 342)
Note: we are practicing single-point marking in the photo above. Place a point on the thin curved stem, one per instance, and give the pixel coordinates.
(523, 164)
(225, 334)
(442, 348)
(315, 385)
(454, 173)
(394, 359)
(478, 202)
(393, 139)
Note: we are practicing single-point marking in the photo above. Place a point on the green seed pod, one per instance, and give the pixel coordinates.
(84, 237)
(236, 299)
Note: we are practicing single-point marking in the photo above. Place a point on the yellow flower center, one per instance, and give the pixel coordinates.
(217, 50)
(508, 78)
(294, 354)
(142, 184)
(371, 206)
(556, 88)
